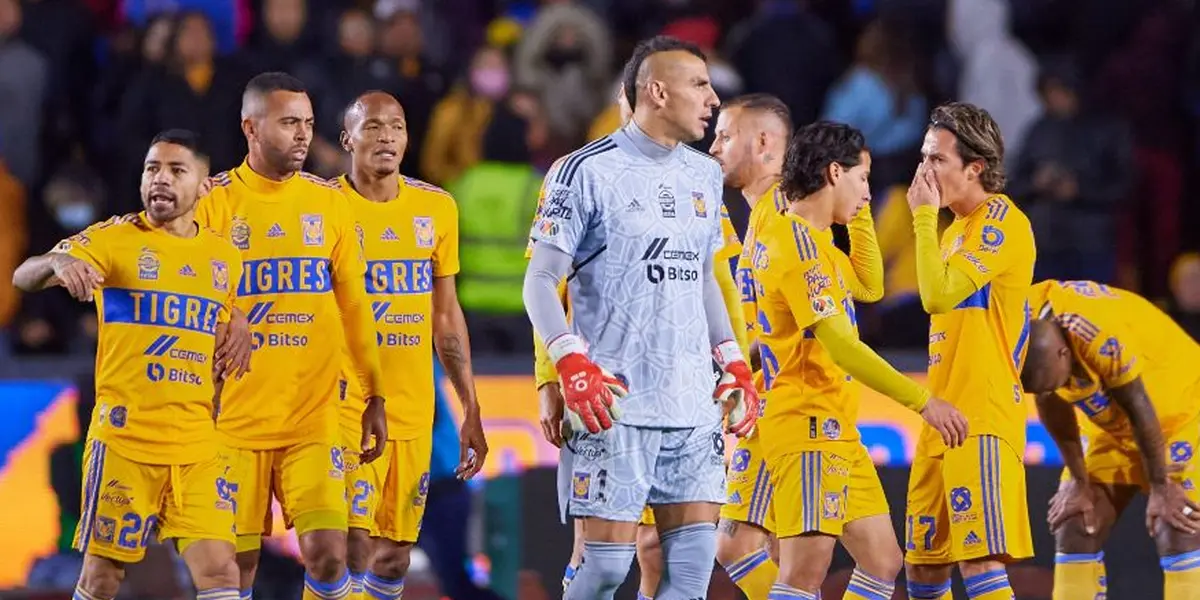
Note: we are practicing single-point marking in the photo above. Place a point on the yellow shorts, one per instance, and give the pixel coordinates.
(360, 489)
(822, 489)
(647, 517)
(1116, 461)
(387, 497)
(306, 478)
(125, 501)
(748, 486)
(968, 503)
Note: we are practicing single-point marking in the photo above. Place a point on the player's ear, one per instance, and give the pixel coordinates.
(344, 138)
(248, 128)
(833, 172)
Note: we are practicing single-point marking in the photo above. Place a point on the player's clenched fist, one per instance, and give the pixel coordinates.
(946, 419)
(80, 278)
(589, 392)
(735, 390)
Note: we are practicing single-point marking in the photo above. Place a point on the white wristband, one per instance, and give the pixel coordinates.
(567, 343)
(727, 352)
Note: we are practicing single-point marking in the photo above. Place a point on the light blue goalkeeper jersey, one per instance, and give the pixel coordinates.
(641, 222)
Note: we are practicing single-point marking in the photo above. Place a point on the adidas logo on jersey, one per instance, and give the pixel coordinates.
(972, 539)
(187, 271)
(634, 206)
(275, 231)
(389, 235)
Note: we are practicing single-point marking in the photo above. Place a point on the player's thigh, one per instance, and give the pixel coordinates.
(311, 486)
(251, 473)
(405, 488)
(689, 476)
(811, 490)
(748, 488)
(120, 505)
(611, 475)
(984, 483)
(868, 534)
(199, 503)
(926, 515)
(362, 484)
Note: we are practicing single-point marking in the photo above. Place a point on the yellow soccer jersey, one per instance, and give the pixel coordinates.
(798, 283)
(407, 242)
(768, 206)
(302, 290)
(158, 310)
(977, 348)
(1118, 336)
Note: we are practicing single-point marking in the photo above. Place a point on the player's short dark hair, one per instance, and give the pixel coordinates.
(182, 137)
(977, 137)
(814, 147)
(275, 81)
(646, 48)
(763, 103)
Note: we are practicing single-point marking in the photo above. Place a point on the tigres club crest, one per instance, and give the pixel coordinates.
(220, 276)
(239, 233)
(423, 231)
(313, 228)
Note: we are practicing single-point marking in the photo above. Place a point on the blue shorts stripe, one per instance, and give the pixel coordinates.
(985, 488)
(760, 489)
(93, 483)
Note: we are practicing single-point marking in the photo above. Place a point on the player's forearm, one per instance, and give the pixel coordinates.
(454, 349)
(543, 367)
(547, 267)
(733, 304)
(836, 334)
(359, 327)
(866, 259)
(720, 330)
(35, 274)
(1147, 430)
(1058, 417)
(940, 285)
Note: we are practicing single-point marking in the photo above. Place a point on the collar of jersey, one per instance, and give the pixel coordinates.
(645, 145)
(774, 197)
(344, 181)
(259, 183)
(145, 224)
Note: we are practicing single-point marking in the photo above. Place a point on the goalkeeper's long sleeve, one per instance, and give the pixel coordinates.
(719, 327)
(543, 368)
(547, 267)
(836, 334)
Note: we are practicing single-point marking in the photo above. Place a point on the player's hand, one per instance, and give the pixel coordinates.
(946, 419)
(1168, 503)
(739, 399)
(473, 448)
(550, 413)
(589, 393)
(1073, 498)
(924, 189)
(232, 356)
(374, 429)
(80, 278)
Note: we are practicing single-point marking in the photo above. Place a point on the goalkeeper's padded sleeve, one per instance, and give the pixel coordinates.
(866, 260)
(548, 266)
(940, 285)
(543, 368)
(719, 327)
(836, 334)
(733, 304)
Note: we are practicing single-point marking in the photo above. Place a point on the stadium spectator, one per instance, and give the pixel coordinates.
(285, 38)
(13, 239)
(422, 81)
(25, 75)
(1184, 305)
(454, 140)
(1073, 176)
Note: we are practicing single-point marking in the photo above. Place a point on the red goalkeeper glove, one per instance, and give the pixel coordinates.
(590, 392)
(735, 390)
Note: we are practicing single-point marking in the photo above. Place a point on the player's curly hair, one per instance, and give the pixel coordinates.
(812, 150)
(978, 138)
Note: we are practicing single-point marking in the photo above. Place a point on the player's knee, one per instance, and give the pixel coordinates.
(649, 551)
(391, 559)
(980, 566)
(247, 564)
(1172, 542)
(216, 572)
(1072, 538)
(736, 540)
(324, 553)
(101, 577)
(936, 574)
(358, 550)
(883, 562)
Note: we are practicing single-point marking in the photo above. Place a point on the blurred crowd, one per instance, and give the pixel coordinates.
(1098, 100)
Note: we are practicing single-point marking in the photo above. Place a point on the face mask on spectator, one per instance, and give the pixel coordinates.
(75, 216)
(490, 82)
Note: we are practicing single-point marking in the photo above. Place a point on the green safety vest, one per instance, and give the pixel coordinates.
(496, 203)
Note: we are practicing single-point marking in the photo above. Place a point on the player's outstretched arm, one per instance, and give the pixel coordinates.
(866, 259)
(69, 265)
(453, 346)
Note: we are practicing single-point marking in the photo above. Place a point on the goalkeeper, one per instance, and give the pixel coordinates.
(633, 221)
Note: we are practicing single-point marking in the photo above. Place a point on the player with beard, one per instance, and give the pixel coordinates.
(303, 280)
(164, 288)
(409, 235)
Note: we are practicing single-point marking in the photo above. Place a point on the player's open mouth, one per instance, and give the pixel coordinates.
(162, 199)
(389, 154)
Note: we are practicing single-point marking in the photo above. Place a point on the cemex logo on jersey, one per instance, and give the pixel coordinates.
(657, 251)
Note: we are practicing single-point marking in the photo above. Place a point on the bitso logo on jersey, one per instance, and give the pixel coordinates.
(313, 227)
(147, 265)
(239, 233)
(423, 231)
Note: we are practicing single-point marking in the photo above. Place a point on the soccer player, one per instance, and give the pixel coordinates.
(825, 483)
(633, 218)
(163, 288)
(409, 233)
(967, 505)
(1132, 372)
(303, 281)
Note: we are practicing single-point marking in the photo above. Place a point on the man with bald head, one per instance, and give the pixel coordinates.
(1132, 373)
(302, 282)
(408, 233)
(632, 222)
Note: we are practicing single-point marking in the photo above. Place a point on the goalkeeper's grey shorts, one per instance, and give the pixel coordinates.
(613, 475)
